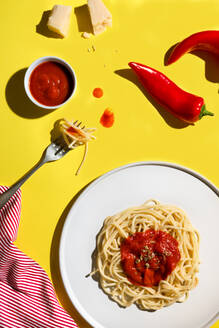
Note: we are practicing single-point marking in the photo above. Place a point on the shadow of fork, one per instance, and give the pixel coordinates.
(56, 150)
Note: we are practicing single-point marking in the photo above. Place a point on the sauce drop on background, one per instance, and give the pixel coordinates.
(97, 92)
(107, 119)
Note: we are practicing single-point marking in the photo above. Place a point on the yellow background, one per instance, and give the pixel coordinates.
(143, 30)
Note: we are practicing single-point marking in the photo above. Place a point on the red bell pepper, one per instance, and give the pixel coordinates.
(205, 40)
(185, 106)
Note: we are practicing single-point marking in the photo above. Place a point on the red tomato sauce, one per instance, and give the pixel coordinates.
(107, 119)
(74, 132)
(51, 83)
(149, 257)
(98, 92)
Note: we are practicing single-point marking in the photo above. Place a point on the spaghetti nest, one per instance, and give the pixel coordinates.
(151, 215)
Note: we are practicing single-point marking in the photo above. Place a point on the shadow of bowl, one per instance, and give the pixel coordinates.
(17, 99)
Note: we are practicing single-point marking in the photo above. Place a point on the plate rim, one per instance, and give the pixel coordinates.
(71, 296)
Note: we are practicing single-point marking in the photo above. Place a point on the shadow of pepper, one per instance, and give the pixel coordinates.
(83, 19)
(42, 27)
(55, 267)
(211, 62)
(168, 117)
(17, 99)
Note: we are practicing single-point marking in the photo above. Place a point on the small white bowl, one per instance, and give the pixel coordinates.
(43, 60)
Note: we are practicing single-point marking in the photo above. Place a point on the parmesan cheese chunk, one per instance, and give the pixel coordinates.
(59, 19)
(100, 16)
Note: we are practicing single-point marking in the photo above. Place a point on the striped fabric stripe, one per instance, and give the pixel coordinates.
(27, 297)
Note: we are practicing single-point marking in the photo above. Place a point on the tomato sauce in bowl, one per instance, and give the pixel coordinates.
(51, 83)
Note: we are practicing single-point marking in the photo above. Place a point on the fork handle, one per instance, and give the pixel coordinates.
(4, 197)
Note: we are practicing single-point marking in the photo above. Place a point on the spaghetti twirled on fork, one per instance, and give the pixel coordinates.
(75, 135)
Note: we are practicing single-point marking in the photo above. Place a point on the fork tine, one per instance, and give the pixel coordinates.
(75, 123)
(60, 150)
(83, 127)
(58, 141)
(57, 145)
(60, 147)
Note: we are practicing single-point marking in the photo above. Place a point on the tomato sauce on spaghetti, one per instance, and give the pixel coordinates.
(149, 257)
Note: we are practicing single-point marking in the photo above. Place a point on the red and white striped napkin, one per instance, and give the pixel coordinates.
(27, 297)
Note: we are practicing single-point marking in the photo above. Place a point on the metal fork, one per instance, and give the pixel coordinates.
(56, 150)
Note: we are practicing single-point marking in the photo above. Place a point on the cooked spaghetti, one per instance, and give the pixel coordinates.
(151, 216)
(75, 136)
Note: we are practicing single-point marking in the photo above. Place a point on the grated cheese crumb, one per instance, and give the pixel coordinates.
(86, 35)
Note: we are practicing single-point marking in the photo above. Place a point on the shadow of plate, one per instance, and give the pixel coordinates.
(55, 266)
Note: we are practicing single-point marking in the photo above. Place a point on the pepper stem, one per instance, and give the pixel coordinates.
(204, 112)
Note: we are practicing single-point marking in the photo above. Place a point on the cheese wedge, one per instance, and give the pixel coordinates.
(100, 16)
(59, 20)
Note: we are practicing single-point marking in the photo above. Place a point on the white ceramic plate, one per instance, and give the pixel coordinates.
(127, 186)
